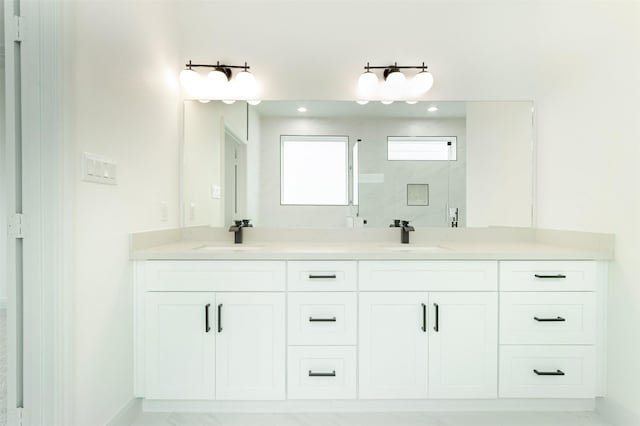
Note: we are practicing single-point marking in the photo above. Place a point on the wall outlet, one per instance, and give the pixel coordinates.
(216, 191)
(99, 169)
(164, 212)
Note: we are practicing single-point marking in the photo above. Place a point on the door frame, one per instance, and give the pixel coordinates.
(36, 98)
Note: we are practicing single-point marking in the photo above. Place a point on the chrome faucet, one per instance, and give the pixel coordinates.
(405, 228)
(236, 228)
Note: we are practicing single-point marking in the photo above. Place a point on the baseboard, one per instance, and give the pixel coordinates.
(357, 406)
(616, 414)
(127, 414)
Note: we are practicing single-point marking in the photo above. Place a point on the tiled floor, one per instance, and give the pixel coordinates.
(374, 419)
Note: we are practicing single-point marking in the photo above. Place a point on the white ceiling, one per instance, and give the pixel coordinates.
(325, 109)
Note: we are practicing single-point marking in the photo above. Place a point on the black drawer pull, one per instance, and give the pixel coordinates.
(556, 319)
(556, 276)
(332, 374)
(549, 373)
(220, 318)
(332, 319)
(323, 277)
(206, 318)
(424, 318)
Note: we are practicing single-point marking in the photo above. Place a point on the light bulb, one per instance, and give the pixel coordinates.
(217, 81)
(396, 83)
(246, 85)
(362, 102)
(421, 83)
(254, 102)
(229, 101)
(190, 80)
(367, 84)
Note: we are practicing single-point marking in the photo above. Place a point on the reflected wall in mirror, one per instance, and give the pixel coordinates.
(433, 163)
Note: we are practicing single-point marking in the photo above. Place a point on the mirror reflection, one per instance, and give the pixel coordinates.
(335, 164)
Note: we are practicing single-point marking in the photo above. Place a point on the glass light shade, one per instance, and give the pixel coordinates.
(217, 81)
(412, 102)
(396, 84)
(204, 101)
(189, 79)
(362, 102)
(246, 85)
(367, 84)
(229, 101)
(254, 102)
(421, 83)
(386, 102)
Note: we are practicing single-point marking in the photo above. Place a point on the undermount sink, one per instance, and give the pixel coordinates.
(414, 248)
(233, 248)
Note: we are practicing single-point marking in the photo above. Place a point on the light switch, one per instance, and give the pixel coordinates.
(98, 169)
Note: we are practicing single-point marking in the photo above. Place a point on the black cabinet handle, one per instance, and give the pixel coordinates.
(332, 319)
(424, 318)
(549, 373)
(556, 319)
(332, 374)
(206, 318)
(556, 276)
(436, 327)
(220, 318)
(326, 277)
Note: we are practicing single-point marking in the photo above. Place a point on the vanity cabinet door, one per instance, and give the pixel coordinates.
(179, 346)
(250, 333)
(393, 345)
(463, 345)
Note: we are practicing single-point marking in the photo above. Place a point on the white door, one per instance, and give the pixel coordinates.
(250, 361)
(180, 345)
(393, 345)
(463, 345)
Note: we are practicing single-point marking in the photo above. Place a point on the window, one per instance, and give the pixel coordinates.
(421, 148)
(314, 170)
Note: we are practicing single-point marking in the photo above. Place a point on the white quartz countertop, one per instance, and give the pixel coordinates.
(216, 250)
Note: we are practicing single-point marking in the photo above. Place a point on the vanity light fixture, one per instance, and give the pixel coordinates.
(395, 85)
(432, 109)
(220, 84)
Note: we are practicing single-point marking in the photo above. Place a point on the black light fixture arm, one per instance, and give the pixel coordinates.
(388, 69)
(226, 69)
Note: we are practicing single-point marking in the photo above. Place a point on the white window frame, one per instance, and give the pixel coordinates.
(314, 138)
(453, 140)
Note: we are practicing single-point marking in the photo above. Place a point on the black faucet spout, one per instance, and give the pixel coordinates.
(236, 228)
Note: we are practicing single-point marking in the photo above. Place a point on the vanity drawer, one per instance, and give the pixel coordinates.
(322, 318)
(322, 275)
(547, 318)
(547, 371)
(547, 276)
(322, 373)
(199, 275)
(429, 275)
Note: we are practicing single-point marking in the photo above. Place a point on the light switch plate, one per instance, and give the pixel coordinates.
(99, 169)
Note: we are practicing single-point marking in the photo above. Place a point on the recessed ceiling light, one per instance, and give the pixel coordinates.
(302, 109)
(432, 109)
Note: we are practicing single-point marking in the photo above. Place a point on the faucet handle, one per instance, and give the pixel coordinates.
(405, 222)
(395, 224)
(237, 222)
(246, 222)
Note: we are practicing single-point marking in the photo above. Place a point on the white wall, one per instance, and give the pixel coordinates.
(3, 207)
(499, 170)
(125, 105)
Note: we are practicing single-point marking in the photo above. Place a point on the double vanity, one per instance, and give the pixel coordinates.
(479, 316)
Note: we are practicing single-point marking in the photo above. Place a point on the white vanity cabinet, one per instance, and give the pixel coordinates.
(349, 330)
(441, 342)
(200, 341)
